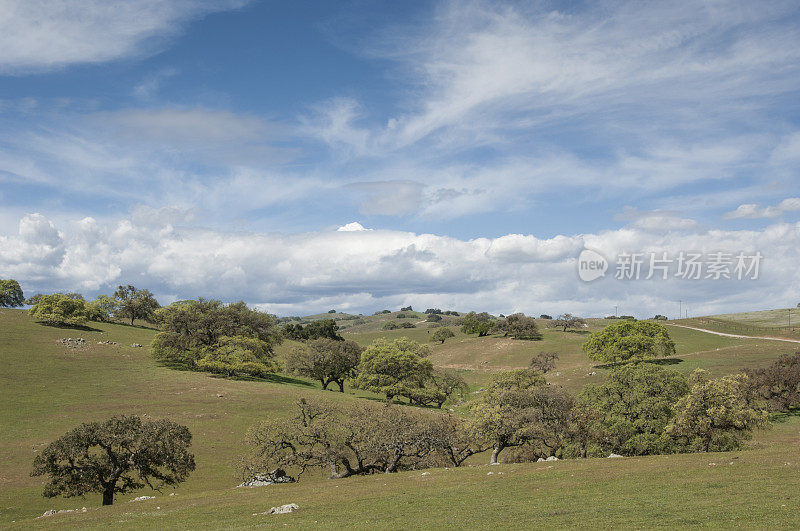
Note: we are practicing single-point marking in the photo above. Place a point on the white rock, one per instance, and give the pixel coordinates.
(142, 498)
(426, 473)
(540, 460)
(552, 458)
(611, 456)
(283, 509)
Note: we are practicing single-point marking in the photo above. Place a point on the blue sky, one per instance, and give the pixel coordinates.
(134, 133)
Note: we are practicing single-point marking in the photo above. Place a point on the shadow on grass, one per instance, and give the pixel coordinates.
(663, 361)
(82, 328)
(272, 378)
(783, 416)
(140, 326)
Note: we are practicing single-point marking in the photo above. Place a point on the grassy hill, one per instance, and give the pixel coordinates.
(783, 323)
(49, 388)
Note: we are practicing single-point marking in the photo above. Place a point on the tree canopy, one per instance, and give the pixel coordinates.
(566, 321)
(223, 338)
(394, 368)
(519, 409)
(629, 341)
(346, 439)
(326, 360)
(322, 328)
(716, 415)
(133, 303)
(60, 309)
(477, 323)
(635, 404)
(519, 326)
(442, 334)
(11, 294)
(119, 455)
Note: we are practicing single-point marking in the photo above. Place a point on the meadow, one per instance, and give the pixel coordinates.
(49, 388)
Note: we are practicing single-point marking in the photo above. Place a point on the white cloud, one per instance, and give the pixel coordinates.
(754, 211)
(352, 226)
(39, 35)
(365, 270)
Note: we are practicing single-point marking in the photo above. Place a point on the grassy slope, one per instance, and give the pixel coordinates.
(49, 389)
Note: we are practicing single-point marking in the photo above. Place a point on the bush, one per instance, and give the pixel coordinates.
(390, 325)
(434, 318)
(60, 309)
(407, 325)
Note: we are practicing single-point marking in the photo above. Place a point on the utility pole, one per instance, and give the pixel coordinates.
(616, 310)
(680, 308)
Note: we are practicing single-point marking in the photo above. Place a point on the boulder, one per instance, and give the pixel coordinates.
(552, 458)
(283, 509)
(261, 480)
(612, 456)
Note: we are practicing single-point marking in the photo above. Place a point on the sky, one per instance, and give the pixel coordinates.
(361, 155)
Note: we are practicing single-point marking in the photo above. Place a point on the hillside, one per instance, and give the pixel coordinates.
(96, 381)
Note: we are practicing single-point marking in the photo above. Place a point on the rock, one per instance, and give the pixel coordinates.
(426, 473)
(552, 458)
(283, 509)
(593, 373)
(540, 460)
(493, 464)
(612, 456)
(142, 498)
(51, 512)
(135, 345)
(261, 480)
(489, 473)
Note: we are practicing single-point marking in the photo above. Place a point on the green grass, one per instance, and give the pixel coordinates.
(48, 389)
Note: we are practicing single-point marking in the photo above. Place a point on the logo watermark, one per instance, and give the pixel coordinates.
(685, 265)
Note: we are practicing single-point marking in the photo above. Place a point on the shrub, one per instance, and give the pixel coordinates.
(60, 309)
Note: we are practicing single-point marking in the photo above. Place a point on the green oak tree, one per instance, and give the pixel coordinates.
(629, 341)
(716, 415)
(635, 404)
(134, 303)
(119, 455)
(326, 360)
(60, 309)
(394, 368)
(11, 294)
(442, 334)
(477, 323)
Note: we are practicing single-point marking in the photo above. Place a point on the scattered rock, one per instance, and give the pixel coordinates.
(540, 460)
(283, 509)
(489, 473)
(552, 458)
(70, 342)
(51, 512)
(107, 343)
(593, 373)
(611, 456)
(135, 345)
(493, 464)
(261, 480)
(142, 498)
(220, 395)
(426, 473)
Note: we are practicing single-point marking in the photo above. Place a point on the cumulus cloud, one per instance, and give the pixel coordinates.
(37, 35)
(365, 270)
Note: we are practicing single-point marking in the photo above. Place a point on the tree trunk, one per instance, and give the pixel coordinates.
(108, 495)
(341, 385)
(132, 320)
(324, 383)
(497, 449)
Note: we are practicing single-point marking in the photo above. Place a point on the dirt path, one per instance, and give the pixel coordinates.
(736, 335)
